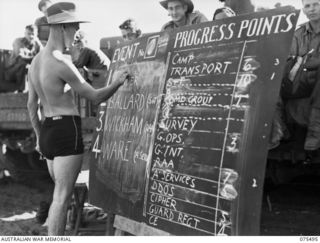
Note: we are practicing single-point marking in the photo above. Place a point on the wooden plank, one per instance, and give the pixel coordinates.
(15, 119)
(14, 115)
(19, 119)
(135, 228)
(11, 100)
(15, 126)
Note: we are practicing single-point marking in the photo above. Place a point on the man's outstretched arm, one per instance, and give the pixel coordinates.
(72, 76)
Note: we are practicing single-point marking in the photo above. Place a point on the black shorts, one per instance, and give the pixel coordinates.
(61, 136)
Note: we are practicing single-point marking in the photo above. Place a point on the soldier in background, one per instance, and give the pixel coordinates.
(24, 50)
(239, 6)
(92, 63)
(88, 56)
(301, 93)
(181, 13)
(130, 30)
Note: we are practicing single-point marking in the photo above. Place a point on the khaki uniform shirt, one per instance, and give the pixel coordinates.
(304, 40)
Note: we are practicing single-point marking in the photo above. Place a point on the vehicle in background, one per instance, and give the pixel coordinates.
(17, 139)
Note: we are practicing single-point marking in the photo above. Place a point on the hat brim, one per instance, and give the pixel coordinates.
(188, 3)
(65, 22)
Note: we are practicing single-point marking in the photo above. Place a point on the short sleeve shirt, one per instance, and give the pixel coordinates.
(305, 39)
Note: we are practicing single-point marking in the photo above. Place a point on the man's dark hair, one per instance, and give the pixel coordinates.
(32, 27)
(130, 24)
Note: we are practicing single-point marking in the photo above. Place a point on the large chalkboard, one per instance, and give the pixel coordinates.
(123, 143)
(204, 171)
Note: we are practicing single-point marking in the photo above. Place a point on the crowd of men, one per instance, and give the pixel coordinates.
(84, 57)
(303, 90)
(59, 30)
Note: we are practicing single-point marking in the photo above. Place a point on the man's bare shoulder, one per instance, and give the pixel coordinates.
(47, 61)
(45, 67)
(35, 63)
(66, 67)
(55, 68)
(63, 62)
(36, 58)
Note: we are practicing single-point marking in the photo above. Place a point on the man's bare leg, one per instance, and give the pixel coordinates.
(43, 211)
(50, 168)
(66, 170)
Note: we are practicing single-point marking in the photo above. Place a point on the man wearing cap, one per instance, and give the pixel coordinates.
(59, 137)
(130, 30)
(181, 13)
(239, 6)
(222, 13)
(229, 3)
(41, 23)
(87, 56)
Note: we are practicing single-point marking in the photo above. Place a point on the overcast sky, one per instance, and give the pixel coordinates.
(105, 15)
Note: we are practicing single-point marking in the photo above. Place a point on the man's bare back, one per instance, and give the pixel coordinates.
(50, 87)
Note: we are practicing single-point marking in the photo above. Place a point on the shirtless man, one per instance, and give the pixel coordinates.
(59, 138)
